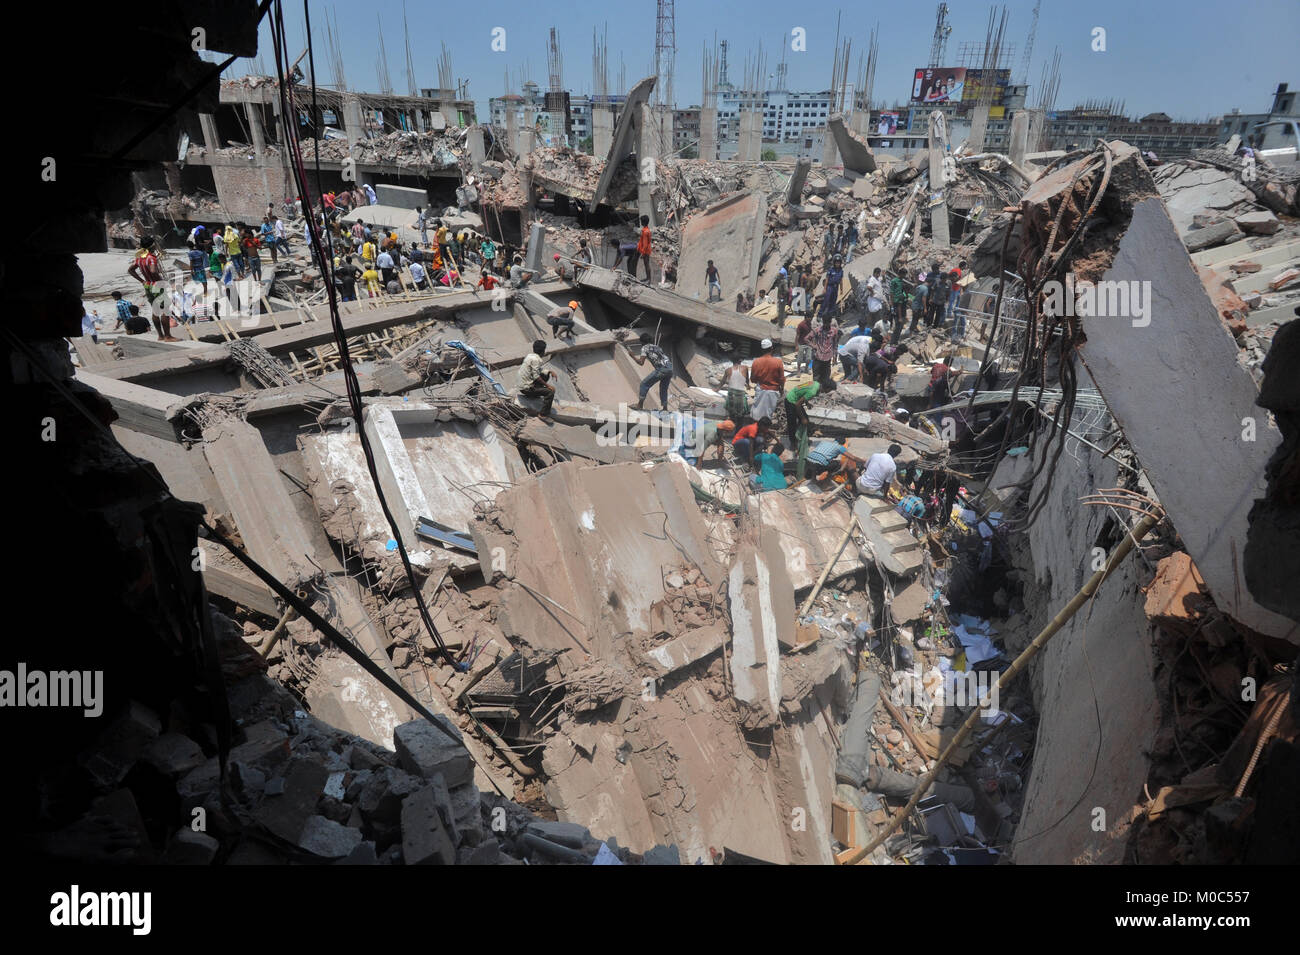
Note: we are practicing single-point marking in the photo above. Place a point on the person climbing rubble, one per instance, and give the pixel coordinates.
(561, 320)
(662, 374)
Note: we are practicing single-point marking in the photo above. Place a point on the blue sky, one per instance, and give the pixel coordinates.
(1191, 59)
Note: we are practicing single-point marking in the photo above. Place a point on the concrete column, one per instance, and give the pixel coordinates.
(979, 122)
(209, 126)
(794, 192)
(352, 124)
(939, 212)
(527, 134)
(512, 129)
(449, 113)
(1019, 139)
(1033, 142)
(253, 113)
(648, 144)
(602, 130)
(477, 147)
(830, 150)
(709, 133)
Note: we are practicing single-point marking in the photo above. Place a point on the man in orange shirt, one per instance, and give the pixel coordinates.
(750, 438)
(768, 375)
(643, 245)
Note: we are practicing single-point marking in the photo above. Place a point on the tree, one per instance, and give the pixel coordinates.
(690, 152)
(769, 155)
(586, 144)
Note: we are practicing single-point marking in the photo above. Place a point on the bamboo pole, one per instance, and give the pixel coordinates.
(826, 571)
(1022, 661)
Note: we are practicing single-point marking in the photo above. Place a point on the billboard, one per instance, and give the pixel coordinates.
(939, 85)
(989, 86)
(887, 124)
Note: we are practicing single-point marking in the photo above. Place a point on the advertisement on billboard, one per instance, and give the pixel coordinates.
(943, 85)
(887, 124)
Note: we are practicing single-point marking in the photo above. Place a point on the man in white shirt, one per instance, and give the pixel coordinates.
(417, 275)
(878, 475)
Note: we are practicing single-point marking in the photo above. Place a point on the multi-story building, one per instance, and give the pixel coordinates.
(787, 116)
(686, 127)
(1276, 129)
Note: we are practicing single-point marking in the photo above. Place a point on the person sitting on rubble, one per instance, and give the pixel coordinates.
(878, 476)
(669, 276)
(561, 320)
(750, 438)
(371, 278)
(137, 324)
(533, 381)
(770, 470)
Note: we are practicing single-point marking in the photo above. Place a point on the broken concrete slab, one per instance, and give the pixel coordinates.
(852, 147)
(328, 839)
(1262, 222)
(762, 617)
(1216, 233)
(1215, 393)
(625, 138)
(730, 232)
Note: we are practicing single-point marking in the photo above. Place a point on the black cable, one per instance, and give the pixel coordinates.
(345, 360)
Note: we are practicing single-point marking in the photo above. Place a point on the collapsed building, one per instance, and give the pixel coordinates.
(630, 656)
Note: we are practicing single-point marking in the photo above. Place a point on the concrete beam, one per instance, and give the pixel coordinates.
(138, 408)
(678, 306)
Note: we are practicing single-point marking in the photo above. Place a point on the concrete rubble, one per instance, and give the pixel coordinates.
(638, 653)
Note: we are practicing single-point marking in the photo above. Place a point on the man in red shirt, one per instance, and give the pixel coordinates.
(750, 438)
(144, 269)
(643, 245)
(803, 348)
(768, 375)
(487, 281)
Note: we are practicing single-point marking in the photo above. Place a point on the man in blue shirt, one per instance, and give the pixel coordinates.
(123, 310)
(828, 458)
